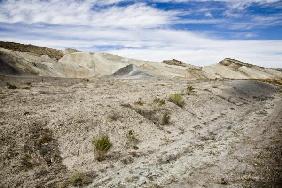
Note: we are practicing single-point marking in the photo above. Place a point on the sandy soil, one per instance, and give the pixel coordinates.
(228, 134)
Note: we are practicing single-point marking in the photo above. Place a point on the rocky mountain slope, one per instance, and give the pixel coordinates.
(17, 59)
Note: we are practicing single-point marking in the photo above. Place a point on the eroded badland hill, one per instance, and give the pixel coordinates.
(165, 124)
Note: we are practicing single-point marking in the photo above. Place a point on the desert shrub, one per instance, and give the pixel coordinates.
(177, 99)
(190, 90)
(78, 179)
(139, 102)
(131, 139)
(165, 118)
(102, 145)
(159, 101)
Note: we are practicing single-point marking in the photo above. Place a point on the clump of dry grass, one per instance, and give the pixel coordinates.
(177, 99)
(102, 145)
(273, 81)
(26, 161)
(114, 116)
(78, 179)
(165, 118)
(190, 90)
(132, 140)
(139, 102)
(159, 101)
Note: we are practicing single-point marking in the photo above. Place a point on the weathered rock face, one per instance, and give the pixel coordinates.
(36, 50)
(234, 69)
(131, 71)
(175, 62)
(18, 59)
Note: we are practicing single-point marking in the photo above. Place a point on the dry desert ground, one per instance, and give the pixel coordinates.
(223, 133)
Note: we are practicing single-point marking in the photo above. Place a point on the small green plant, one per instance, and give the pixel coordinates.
(102, 145)
(177, 99)
(190, 90)
(165, 118)
(139, 102)
(159, 101)
(78, 179)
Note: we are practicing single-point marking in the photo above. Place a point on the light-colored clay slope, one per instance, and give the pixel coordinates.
(234, 69)
(75, 64)
(227, 134)
(107, 64)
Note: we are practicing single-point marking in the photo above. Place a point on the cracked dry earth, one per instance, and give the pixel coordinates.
(228, 134)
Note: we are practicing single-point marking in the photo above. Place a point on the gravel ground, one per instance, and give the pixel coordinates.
(227, 134)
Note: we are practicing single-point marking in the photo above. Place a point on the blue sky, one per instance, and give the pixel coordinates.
(199, 32)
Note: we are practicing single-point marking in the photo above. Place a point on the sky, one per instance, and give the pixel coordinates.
(198, 32)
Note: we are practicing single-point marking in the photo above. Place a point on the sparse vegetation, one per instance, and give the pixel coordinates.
(148, 114)
(102, 145)
(139, 102)
(53, 53)
(159, 101)
(78, 179)
(177, 99)
(165, 118)
(131, 139)
(277, 82)
(114, 116)
(26, 161)
(126, 105)
(45, 137)
(190, 90)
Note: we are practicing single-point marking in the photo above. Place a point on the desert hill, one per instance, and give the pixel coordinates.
(80, 119)
(19, 59)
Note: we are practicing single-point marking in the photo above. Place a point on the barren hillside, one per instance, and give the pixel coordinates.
(18, 59)
(227, 133)
(101, 120)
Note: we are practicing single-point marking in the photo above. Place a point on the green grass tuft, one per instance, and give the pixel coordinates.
(177, 99)
(102, 145)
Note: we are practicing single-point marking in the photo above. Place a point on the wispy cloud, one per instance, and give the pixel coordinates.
(74, 12)
(136, 29)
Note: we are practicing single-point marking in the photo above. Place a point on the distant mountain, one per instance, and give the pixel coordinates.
(21, 59)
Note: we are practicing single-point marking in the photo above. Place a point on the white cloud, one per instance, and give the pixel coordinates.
(74, 12)
(155, 44)
(139, 30)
